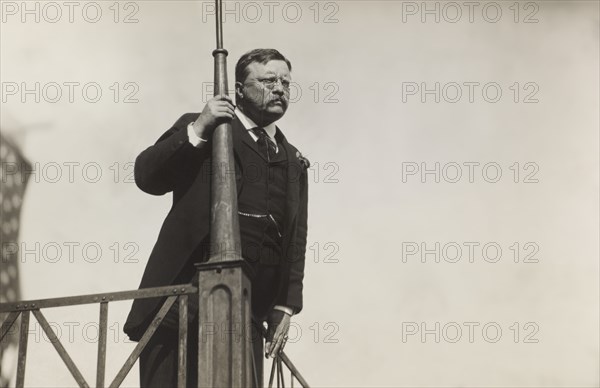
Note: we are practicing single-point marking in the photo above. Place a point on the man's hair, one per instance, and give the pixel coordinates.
(257, 55)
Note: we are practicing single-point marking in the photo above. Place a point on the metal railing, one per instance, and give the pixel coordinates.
(277, 368)
(175, 293)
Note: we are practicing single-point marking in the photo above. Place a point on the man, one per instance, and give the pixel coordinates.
(272, 192)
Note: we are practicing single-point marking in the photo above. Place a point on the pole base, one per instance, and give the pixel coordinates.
(224, 341)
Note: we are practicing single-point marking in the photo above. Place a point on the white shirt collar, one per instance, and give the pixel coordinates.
(249, 124)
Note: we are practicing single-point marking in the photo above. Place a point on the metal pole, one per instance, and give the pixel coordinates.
(224, 346)
(224, 224)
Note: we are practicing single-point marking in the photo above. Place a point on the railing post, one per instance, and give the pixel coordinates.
(182, 348)
(224, 349)
(23, 337)
(101, 364)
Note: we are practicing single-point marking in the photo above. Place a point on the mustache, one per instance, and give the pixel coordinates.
(281, 99)
(261, 98)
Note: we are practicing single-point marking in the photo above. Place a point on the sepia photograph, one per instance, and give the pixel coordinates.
(309, 193)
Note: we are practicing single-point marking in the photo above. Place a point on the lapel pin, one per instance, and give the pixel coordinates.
(303, 161)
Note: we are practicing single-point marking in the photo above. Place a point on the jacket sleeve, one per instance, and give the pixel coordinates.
(157, 166)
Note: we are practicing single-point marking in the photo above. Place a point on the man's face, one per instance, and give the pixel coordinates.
(264, 95)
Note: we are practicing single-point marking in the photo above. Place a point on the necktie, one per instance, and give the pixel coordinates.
(265, 144)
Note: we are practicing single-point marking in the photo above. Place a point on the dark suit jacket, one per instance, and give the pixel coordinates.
(173, 164)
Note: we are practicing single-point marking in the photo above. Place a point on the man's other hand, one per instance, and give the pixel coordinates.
(218, 110)
(277, 332)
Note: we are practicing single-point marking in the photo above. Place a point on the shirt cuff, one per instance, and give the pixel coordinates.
(285, 309)
(195, 140)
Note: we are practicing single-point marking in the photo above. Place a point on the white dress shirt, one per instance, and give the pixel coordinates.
(246, 121)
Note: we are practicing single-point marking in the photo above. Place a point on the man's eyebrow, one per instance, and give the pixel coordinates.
(274, 75)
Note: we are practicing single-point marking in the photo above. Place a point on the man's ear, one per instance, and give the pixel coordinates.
(239, 92)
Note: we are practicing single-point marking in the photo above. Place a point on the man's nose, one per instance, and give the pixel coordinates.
(278, 87)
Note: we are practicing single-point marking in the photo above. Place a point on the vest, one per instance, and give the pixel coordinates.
(261, 207)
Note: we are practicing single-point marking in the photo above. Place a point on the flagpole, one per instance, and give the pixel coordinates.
(225, 230)
(224, 346)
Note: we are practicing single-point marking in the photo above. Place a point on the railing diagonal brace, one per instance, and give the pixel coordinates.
(60, 349)
(293, 369)
(143, 341)
(8, 323)
(272, 375)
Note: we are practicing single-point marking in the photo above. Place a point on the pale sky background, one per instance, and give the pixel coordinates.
(351, 120)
